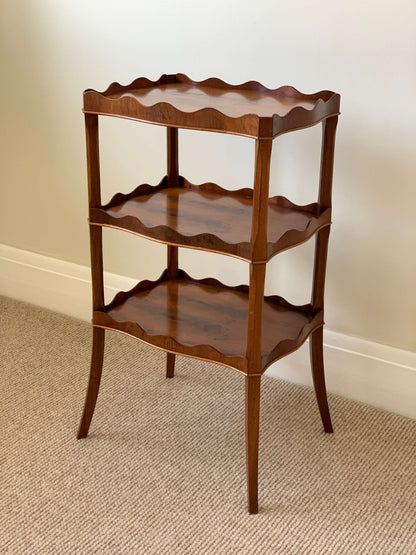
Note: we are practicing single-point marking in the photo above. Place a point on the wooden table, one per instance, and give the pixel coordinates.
(237, 327)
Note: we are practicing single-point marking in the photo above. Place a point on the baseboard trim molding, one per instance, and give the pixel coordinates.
(369, 372)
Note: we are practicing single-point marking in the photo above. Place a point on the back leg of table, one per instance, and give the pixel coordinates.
(170, 365)
(317, 363)
(97, 359)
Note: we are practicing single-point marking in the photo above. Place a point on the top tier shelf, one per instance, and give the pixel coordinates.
(249, 109)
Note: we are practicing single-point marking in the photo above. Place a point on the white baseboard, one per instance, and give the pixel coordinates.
(375, 374)
(52, 283)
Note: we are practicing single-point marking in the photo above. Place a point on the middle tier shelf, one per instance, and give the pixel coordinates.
(208, 217)
(206, 319)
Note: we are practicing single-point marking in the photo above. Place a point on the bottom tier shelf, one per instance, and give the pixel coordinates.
(206, 319)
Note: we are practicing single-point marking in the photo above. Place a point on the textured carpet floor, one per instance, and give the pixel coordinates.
(163, 468)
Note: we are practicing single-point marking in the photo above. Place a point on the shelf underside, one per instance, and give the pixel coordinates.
(208, 217)
(206, 319)
(249, 109)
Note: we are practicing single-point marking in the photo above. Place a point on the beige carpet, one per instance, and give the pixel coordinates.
(163, 468)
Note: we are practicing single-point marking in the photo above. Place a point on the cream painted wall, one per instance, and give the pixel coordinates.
(53, 49)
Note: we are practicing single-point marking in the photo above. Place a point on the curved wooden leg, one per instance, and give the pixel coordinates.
(317, 363)
(170, 365)
(97, 359)
(252, 440)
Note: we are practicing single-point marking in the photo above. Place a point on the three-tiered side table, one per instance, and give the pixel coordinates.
(237, 327)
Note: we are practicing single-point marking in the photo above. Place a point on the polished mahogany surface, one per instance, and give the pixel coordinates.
(204, 316)
(249, 109)
(189, 97)
(209, 217)
(237, 327)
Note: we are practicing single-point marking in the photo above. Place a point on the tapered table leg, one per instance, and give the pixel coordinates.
(321, 251)
(173, 181)
(170, 365)
(172, 273)
(97, 359)
(318, 375)
(252, 440)
(255, 315)
(94, 198)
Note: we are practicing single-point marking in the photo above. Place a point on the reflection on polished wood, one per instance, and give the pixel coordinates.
(209, 217)
(237, 327)
(189, 97)
(250, 109)
(207, 319)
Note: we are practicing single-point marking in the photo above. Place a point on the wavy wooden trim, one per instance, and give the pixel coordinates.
(288, 346)
(222, 363)
(166, 235)
(140, 190)
(300, 117)
(213, 82)
(164, 342)
(143, 285)
(139, 83)
(302, 338)
(211, 119)
(294, 237)
(209, 187)
(168, 343)
(164, 113)
(242, 288)
(242, 249)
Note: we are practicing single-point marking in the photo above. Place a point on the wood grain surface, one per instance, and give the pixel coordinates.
(238, 326)
(206, 318)
(209, 217)
(250, 109)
